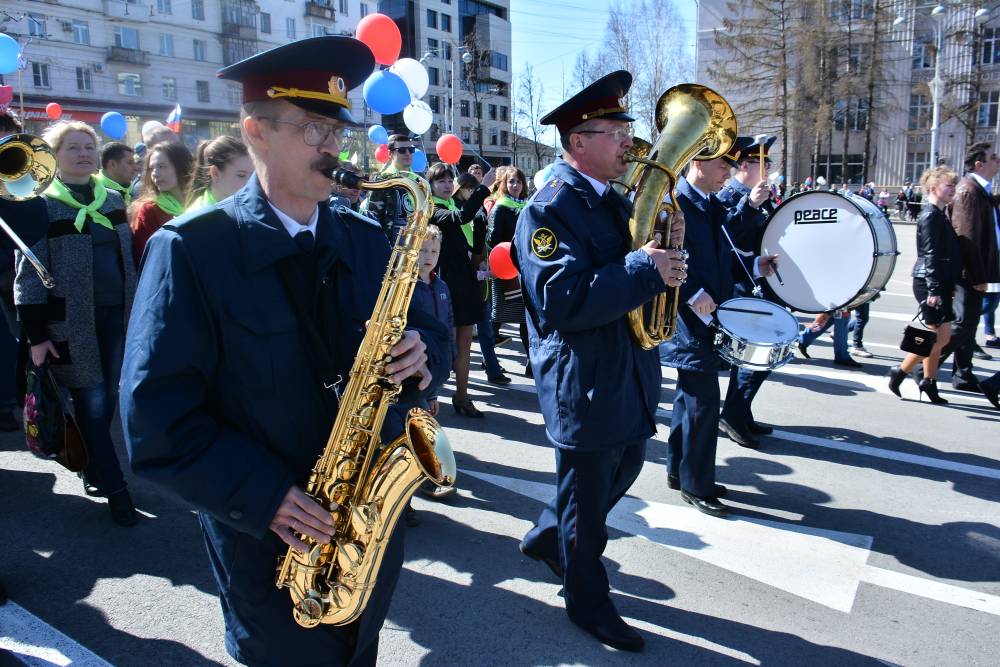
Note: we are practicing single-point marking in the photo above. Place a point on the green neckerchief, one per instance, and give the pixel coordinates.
(449, 204)
(112, 184)
(169, 204)
(391, 170)
(206, 199)
(57, 190)
(510, 202)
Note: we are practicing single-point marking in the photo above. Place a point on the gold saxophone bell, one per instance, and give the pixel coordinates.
(694, 122)
(27, 166)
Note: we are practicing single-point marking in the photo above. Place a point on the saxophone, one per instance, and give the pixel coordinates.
(694, 122)
(366, 483)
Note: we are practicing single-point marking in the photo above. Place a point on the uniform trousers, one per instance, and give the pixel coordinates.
(574, 524)
(694, 430)
(743, 387)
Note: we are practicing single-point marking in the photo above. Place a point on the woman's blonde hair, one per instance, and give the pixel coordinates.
(56, 133)
(935, 175)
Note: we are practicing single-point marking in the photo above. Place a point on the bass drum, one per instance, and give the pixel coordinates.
(836, 252)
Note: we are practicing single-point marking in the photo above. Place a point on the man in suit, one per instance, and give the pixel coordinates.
(695, 421)
(974, 217)
(597, 388)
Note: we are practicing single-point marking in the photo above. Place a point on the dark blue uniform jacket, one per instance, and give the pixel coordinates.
(597, 387)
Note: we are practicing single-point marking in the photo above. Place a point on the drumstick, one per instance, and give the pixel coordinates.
(746, 310)
(774, 265)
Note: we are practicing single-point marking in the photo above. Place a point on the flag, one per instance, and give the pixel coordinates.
(174, 119)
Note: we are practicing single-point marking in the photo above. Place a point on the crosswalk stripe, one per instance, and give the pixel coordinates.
(34, 642)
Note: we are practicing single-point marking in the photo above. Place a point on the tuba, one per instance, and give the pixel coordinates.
(694, 122)
(364, 484)
(27, 166)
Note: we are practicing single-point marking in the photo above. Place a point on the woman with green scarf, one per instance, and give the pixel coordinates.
(78, 327)
(164, 189)
(222, 167)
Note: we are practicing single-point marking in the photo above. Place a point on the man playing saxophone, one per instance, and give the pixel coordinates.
(252, 313)
(598, 389)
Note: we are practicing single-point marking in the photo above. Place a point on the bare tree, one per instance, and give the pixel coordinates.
(663, 60)
(529, 100)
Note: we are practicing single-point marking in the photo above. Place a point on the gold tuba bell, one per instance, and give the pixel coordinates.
(27, 166)
(694, 122)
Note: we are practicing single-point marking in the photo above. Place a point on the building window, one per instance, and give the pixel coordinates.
(434, 75)
(129, 84)
(504, 137)
(916, 164)
(198, 9)
(856, 115)
(432, 18)
(265, 23)
(989, 103)
(163, 7)
(169, 88)
(504, 114)
(991, 46)
(202, 88)
(492, 110)
(235, 50)
(318, 30)
(446, 22)
(200, 48)
(36, 25)
(447, 50)
(83, 81)
(364, 10)
(166, 45)
(433, 47)
(494, 136)
(434, 102)
(923, 50)
(235, 95)
(40, 75)
(81, 32)
(463, 109)
(920, 116)
(290, 28)
(343, 7)
(466, 134)
(498, 61)
(126, 38)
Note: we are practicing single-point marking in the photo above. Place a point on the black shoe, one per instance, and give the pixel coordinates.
(896, 377)
(709, 506)
(553, 563)
(528, 373)
(89, 489)
(929, 386)
(499, 380)
(122, 510)
(9, 423)
(802, 350)
(991, 394)
(740, 436)
(674, 482)
(992, 342)
(613, 631)
(978, 353)
(466, 409)
(972, 385)
(759, 429)
(850, 363)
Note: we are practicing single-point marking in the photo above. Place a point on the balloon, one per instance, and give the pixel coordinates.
(419, 161)
(382, 153)
(449, 148)
(6, 95)
(500, 262)
(114, 125)
(386, 93)
(53, 110)
(542, 176)
(10, 53)
(418, 117)
(381, 34)
(149, 126)
(414, 74)
(22, 187)
(378, 135)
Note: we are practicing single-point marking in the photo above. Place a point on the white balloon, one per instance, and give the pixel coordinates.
(414, 74)
(418, 117)
(149, 126)
(542, 176)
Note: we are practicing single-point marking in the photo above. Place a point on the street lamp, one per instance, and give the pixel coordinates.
(467, 59)
(936, 85)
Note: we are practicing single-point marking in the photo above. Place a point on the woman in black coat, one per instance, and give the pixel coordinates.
(936, 270)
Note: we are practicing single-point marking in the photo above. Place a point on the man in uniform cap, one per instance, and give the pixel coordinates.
(597, 388)
(253, 311)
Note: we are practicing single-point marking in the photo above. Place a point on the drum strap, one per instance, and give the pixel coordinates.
(756, 288)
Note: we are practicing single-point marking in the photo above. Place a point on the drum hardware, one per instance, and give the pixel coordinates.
(757, 290)
(755, 334)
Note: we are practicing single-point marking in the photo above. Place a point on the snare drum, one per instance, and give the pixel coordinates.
(755, 334)
(836, 252)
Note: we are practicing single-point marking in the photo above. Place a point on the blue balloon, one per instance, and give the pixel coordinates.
(114, 125)
(386, 93)
(10, 51)
(377, 135)
(419, 161)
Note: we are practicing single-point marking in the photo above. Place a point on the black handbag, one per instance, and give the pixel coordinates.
(50, 429)
(918, 340)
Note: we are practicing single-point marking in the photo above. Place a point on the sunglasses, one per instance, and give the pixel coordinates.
(405, 149)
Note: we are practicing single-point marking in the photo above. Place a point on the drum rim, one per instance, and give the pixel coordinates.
(757, 342)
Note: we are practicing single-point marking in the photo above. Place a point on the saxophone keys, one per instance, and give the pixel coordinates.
(308, 612)
(349, 556)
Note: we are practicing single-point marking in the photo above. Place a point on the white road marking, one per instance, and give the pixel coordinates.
(823, 566)
(34, 642)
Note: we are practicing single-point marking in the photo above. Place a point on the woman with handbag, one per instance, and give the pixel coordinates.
(78, 327)
(937, 268)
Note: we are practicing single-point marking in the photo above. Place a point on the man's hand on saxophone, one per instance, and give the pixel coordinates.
(300, 514)
(409, 358)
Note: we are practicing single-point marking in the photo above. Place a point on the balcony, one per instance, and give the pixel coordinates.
(320, 9)
(239, 19)
(131, 56)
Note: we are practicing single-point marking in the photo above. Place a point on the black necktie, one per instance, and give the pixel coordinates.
(306, 241)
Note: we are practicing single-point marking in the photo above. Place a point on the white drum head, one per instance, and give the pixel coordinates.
(758, 321)
(826, 247)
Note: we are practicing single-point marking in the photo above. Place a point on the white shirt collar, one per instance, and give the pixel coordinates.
(599, 187)
(292, 226)
(703, 195)
(982, 181)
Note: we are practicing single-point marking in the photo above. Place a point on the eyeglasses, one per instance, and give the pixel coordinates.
(315, 133)
(619, 133)
(405, 149)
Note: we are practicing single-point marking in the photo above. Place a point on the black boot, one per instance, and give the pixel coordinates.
(929, 386)
(896, 377)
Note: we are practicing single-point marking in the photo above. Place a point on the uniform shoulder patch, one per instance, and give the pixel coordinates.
(549, 190)
(544, 243)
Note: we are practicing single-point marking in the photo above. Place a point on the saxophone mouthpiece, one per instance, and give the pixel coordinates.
(346, 178)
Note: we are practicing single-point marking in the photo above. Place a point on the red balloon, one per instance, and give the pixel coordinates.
(449, 148)
(501, 264)
(53, 110)
(381, 34)
(382, 153)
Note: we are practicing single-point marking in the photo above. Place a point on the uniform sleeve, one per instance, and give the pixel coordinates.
(964, 219)
(171, 359)
(567, 289)
(743, 221)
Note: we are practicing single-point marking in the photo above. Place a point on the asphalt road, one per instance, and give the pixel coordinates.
(864, 532)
